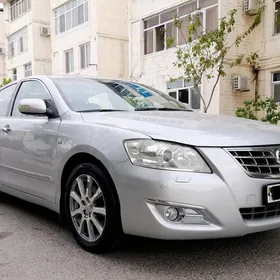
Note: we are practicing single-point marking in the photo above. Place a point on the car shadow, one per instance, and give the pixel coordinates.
(31, 209)
(249, 253)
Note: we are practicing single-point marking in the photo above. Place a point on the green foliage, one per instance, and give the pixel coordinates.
(252, 109)
(132, 101)
(205, 51)
(5, 81)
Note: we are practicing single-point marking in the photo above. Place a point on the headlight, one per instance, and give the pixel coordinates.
(163, 155)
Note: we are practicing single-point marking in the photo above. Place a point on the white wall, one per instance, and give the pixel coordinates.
(112, 38)
(155, 69)
(106, 30)
(38, 53)
(269, 51)
(263, 40)
(11, 27)
(2, 57)
(73, 38)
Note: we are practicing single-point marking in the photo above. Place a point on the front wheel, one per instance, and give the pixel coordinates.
(92, 209)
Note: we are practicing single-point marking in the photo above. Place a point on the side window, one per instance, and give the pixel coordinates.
(29, 89)
(6, 96)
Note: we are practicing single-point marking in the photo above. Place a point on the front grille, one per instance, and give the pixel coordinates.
(258, 162)
(260, 213)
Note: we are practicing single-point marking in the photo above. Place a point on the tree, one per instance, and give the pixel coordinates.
(264, 109)
(5, 81)
(205, 51)
(258, 108)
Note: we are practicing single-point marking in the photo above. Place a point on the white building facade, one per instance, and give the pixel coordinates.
(151, 61)
(27, 37)
(124, 39)
(90, 37)
(87, 37)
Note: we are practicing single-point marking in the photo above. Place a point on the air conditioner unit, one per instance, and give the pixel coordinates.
(240, 83)
(250, 7)
(45, 31)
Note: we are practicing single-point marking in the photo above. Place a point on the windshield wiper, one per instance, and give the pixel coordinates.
(100, 110)
(161, 109)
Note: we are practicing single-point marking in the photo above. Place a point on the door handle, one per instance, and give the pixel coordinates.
(6, 129)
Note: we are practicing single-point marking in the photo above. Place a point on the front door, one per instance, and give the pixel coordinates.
(28, 146)
(6, 97)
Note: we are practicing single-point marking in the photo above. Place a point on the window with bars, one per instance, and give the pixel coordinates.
(27, 70)
(276, 86)
(85, 55)
(158, 28)
(277, 17)
(185, 92)
(70, 15)
(18, 42)
(18, 8)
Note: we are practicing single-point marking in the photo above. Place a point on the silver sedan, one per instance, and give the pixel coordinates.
(115, 157)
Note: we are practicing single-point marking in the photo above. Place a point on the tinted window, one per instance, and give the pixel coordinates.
(30, 89)
(5, 99)
(87, 94)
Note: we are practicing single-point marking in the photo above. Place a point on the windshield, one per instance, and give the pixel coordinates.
(86, 95)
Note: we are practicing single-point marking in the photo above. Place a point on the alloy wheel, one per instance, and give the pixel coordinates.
(87, 208)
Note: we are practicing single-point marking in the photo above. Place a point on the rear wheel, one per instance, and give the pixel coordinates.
(92, 209)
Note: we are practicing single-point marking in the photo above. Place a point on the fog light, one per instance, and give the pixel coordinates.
(171, 214)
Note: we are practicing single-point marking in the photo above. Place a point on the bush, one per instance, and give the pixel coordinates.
(5, 81)
(260, 109)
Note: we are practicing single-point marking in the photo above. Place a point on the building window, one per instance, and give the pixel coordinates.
(17, 42)
(18, 8)
(85, 55)
(14, 73)
(276, 86)
(69, 61)
(27, 70)
(70, 15)
(160, 27)
(277, 17)
(185, 92)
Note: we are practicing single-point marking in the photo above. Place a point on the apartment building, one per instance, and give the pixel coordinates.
(151, 61)
(90, 37)
(2, 40)
(87, 37)
(27, 37)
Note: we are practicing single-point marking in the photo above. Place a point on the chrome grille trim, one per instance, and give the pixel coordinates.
(257, 162)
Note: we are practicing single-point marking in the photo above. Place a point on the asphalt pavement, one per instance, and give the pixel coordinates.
(34, 245)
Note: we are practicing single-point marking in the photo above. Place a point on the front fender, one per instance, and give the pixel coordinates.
(103, 143)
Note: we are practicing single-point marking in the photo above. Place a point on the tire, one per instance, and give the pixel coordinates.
(98, 208)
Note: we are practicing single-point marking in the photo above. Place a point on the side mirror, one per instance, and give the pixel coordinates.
(32, 106)
(36, 106)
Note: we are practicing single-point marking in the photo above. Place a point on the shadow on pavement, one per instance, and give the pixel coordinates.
(250, 254)
(29, 208)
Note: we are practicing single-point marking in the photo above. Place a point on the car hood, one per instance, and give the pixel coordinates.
(191, 128)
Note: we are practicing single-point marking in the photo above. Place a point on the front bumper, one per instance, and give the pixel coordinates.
(219, 196)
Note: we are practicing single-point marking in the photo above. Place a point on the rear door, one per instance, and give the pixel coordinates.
(28, 147)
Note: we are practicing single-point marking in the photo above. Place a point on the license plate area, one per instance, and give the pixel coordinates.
(272, 194)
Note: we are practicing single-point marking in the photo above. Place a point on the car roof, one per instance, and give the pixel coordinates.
(50, 77)
(72, 76)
